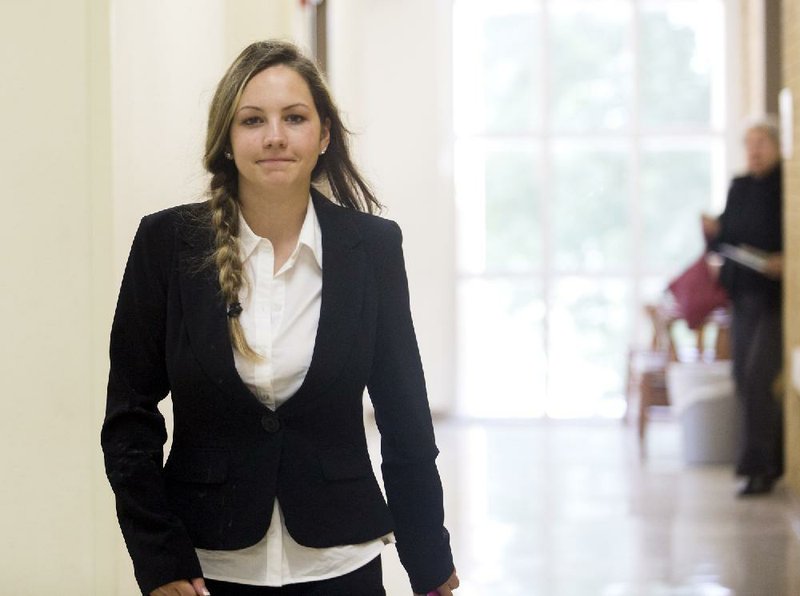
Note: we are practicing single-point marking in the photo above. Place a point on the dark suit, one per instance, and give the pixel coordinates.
(231, 456)
(753, 216)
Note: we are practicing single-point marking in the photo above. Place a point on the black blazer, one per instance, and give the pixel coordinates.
(231, 456)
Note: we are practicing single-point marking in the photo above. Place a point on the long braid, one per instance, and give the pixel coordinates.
(225, 222)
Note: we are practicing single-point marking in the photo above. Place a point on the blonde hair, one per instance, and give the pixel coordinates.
(335, 167)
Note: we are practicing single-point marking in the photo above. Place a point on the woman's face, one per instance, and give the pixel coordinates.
(763, 153)
(276, 136)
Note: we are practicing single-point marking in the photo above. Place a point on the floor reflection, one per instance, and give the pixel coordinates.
(568, 509)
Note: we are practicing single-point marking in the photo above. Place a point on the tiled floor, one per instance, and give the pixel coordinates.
(568, 509)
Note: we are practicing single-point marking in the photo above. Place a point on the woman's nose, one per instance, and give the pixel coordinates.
(274, 135)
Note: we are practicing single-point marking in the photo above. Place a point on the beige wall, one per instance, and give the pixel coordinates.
(791, 73)
(54, 104)
(752, 69)
(761, 67)
(774, 67)
(753, 97)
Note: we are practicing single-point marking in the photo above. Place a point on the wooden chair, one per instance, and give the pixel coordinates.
(647, 367)
(650, 370)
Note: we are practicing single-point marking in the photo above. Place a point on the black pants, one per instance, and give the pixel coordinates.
(757, 361)
(364, 581)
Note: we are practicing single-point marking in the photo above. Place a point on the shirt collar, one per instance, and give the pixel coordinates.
(310, 236)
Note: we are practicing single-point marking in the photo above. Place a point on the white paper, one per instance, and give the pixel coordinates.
(749, 257)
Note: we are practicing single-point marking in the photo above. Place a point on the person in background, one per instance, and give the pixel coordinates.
(752, 220)
(265, 312)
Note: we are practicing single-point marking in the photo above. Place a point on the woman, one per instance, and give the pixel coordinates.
(265, 312)
(752, 218)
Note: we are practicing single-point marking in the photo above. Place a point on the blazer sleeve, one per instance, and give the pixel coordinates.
(134, 432)
(408, 448)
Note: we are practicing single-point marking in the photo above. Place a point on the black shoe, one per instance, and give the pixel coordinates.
(757, 485)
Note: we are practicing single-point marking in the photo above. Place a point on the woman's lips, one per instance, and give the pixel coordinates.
(276, 160)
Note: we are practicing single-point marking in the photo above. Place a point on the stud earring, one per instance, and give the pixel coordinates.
(323, 151)
(228, 155)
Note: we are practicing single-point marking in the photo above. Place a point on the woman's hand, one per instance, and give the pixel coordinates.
(774, 266)
(710, 226)
(446, 589)
(196, 587)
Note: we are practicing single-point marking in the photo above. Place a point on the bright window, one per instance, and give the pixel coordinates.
(590, 135)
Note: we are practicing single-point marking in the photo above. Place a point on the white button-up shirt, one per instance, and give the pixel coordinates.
(280, 316)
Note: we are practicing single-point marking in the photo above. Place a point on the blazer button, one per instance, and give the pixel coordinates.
(270, 423)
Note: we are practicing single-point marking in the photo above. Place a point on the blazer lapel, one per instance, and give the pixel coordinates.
(343, 269)
(206, 313)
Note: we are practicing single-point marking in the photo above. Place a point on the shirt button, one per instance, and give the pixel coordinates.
(270, 423)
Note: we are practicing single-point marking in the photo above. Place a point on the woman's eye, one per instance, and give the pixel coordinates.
(295, 118)
(251, 120)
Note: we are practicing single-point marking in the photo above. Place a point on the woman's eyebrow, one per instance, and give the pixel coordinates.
(299, 104)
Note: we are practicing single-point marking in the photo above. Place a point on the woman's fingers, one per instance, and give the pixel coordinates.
(446, 589)
(179, 588)
(199, 586)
